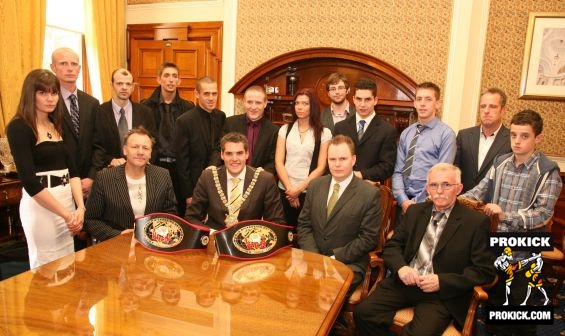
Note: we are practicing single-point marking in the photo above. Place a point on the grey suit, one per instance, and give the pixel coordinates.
(351, 230)
(328, 120)
(108, 208)
(467, 155)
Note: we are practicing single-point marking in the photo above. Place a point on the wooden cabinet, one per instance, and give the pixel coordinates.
(10, 196)
(311, 67)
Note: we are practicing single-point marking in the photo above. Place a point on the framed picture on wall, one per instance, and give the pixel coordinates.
(543, 71)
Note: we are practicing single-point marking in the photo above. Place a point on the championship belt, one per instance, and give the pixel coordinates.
(253, 239)
(163, 232)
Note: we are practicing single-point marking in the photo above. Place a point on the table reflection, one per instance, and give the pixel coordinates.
(120, 288)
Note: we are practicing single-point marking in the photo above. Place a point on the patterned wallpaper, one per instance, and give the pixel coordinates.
(410, 35)
(504, 53)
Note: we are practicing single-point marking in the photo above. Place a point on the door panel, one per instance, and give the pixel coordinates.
(148, 55)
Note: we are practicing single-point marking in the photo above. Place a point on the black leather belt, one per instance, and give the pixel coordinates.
(167, 159)
(52, 181)
(253, 239)
(163, 232)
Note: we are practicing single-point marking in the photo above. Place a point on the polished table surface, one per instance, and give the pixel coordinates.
(120, 288)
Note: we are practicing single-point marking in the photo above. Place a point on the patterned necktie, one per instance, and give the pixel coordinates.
(235, 196)
(410, 157)
(333, 199)
(424, 263)
(122, 126)
(74, 113)
(361, 129)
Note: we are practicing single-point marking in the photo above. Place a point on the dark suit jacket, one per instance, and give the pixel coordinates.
(351, 230)
(263, 202)
(264, 151)
(467, 155)
(108, 207)
(461, 259)
(376, 152)
(194, 153)
(82, 147)
(107, 140)
(328, 120)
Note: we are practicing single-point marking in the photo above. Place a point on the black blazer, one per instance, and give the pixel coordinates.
(194, 153)
(82, 147)
(108, 207)
(107, 140)
(376, 152)
(461, 258)
(264, 151)
(467, 156)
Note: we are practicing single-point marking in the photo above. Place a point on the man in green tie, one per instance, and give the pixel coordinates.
(341, 214)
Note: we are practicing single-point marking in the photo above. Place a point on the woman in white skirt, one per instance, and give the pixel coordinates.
(52, 206)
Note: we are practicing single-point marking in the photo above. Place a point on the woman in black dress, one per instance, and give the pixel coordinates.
(52, 206)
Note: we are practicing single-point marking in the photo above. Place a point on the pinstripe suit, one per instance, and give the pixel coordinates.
(108, 208)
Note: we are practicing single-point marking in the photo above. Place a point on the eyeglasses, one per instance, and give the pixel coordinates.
(443, 185)
(338, 88)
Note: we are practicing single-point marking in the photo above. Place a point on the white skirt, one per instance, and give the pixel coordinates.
(48, 237)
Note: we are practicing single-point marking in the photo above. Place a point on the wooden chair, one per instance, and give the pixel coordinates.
(388, 216)
(405, 315)
(554, 261)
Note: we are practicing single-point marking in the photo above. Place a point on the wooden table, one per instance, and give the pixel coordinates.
(120, 288)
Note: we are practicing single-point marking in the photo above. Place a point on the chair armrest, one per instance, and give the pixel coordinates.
(479, 295)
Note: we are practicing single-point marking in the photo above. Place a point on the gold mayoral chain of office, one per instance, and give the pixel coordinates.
(233, 209)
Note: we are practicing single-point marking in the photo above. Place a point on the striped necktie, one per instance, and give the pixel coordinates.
(424, 263)
(235, 194)
(75, 119)
(361, 129)
(410, 157)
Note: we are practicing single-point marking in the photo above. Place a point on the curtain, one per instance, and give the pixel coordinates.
(22, 33)
(105, 37)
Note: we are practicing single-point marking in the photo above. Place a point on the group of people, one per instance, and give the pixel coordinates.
(166, 154)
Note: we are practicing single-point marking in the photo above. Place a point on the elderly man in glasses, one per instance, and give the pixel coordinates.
(436, 256)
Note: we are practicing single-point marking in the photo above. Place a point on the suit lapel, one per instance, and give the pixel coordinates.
(369, 130)
(474, 147)
(67, 120)
(499, 141)
(122, 189)
(453, 223)
(151, 192)
(223, 177)
(420, 229)
(345, 197)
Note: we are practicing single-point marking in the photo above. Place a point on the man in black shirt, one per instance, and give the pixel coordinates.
(167, 106)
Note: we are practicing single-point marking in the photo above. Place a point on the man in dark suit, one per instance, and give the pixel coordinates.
(65, 64)
(167, 105)
(478, 146)
(236, 191)
(109, 132)
(78, 122)
(337, 86)
(375, 139)
(341, 213)
(122, 193)
(436, 256)
(197, 135)
(261, 132)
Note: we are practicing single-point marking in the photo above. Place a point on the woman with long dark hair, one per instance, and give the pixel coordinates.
(301, 154)
(52, 206)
